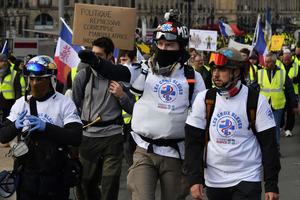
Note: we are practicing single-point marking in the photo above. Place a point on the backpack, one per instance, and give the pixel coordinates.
(251, 107)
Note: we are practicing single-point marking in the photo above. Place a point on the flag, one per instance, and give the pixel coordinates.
(228, 30)
(5, 48)
(66, 54)
(268, 28)
(259, 41)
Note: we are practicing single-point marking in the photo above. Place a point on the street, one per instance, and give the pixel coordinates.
(289, 180)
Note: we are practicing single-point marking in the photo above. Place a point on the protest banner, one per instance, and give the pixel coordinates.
(203, 40)
(94, 21)
(276, 42)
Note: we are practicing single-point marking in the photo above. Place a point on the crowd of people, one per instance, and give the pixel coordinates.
(188, 119)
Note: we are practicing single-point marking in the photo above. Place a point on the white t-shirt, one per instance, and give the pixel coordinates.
(233, 152)
(58, 110)
(162, 110)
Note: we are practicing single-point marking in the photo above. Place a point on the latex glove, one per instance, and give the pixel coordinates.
(19, 122)
(36, 123)
(87, 56)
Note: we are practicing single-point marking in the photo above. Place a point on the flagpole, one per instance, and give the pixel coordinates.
(256, 31)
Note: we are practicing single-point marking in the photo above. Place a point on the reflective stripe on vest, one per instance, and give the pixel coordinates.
(7, 86)
(273, 91)
(293, 72)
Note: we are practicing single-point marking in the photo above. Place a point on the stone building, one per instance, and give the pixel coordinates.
(31, 18)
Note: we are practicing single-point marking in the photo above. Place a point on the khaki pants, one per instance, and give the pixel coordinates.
(148, 168)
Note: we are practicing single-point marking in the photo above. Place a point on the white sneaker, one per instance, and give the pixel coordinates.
(288, 133)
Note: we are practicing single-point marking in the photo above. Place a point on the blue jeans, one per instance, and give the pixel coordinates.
(278, 114)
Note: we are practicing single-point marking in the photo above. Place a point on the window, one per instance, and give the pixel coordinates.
(43, 21)
(44, 3)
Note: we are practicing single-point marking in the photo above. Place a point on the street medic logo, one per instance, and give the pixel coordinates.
(168, 91)
(227, 123)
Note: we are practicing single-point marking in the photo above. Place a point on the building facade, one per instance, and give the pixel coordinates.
(27, 18)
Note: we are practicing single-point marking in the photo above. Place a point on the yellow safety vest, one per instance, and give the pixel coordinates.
(293, 72)
(126, 116)
(273, 91)
(23, 85)
(7, 86)
(73, 73)
(252, 72)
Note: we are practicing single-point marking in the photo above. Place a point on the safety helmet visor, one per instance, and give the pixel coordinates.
(166, 36)
(36, 69)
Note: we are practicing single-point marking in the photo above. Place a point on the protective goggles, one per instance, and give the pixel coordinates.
(219, 60)
(37, 70)
(166, 36)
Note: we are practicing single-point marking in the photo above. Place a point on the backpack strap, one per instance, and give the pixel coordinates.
(189, 74)
(33, 107)
(210, 101)
(252, 100)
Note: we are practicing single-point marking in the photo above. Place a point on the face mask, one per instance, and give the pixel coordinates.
(165, 58)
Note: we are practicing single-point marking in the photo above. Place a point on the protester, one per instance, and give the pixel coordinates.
(223, 151)
(159, 115)
(47, 122)
(277, 87)
(100, 106)
(292, 69)
(12, 87)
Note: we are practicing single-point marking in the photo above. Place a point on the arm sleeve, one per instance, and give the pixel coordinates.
(70, 134)
(127, 101)
(8, 132)
(194, 147)
(270, 158)
(290, 93)
(112, 71)
(78, 88)
(17, 86)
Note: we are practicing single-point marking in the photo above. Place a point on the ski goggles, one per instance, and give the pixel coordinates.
(36, 69)
(165, 35)
(219, 60)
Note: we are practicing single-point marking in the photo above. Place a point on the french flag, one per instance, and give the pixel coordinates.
(228, 30)
(260, 44)
(5, 48)
(66, 54)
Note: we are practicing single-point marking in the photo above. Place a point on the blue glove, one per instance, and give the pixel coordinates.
(19, 121)
(36, 123)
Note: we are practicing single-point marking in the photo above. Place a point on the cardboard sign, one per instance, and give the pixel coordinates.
(94, 21)
(203, 40)
(277, 42)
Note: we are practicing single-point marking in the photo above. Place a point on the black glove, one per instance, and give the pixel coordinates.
(87, 56)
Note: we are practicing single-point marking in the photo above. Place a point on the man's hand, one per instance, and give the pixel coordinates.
(87, 56)
(19, 123)
(197, 192)
(36, 123)
(116, 89)
(271, 196)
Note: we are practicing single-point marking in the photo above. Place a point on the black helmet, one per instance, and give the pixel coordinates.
(172, 30)
(40, 66)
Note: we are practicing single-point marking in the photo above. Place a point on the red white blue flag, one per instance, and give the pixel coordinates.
(66, 54)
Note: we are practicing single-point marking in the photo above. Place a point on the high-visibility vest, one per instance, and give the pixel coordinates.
(126, 116)
(7, 86)
(293, 72)
(273, 91)
(23, 85)
(73, 73)
(252, 72)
